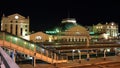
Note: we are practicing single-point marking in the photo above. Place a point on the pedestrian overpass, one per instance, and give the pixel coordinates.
(32, 49)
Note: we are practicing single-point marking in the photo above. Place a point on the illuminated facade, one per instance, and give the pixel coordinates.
(108, 30)
(69, 31)
(15, 24)
(39, 37)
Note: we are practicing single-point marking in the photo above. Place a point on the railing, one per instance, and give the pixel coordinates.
(6, 61)
(38, 50)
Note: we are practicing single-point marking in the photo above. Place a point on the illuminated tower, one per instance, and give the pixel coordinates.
(15, 24)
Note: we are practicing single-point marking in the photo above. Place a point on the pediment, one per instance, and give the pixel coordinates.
(14, 16)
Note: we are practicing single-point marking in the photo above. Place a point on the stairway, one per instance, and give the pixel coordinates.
(18, 44)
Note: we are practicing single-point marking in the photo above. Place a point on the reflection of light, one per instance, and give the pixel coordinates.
(29, 57)
(15, 39)
(24, 42)
(32, 45)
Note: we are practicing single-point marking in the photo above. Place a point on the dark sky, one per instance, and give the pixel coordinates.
(48, 13)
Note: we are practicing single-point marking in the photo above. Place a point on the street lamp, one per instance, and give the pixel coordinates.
(73, 54)
(104, 54)
(79, 52)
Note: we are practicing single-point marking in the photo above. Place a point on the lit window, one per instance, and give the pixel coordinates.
(97, 27)
(38, 37)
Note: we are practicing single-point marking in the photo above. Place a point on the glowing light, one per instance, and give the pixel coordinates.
(105, 36)
(57, 30)
(108, 50)
(69, 20)
(24, 42)
(112, 24)
(32, 45)
(38, 37)
(15, 39)
(50, 39)
(97, 27)
(73, 50)
(16, 17)
(78, 51)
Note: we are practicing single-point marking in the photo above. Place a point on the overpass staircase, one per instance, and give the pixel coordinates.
(32, 49)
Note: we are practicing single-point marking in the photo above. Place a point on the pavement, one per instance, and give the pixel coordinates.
(91, 63)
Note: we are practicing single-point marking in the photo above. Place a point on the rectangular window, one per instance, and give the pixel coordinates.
(21, 32)
(16, 29)
(11, 28)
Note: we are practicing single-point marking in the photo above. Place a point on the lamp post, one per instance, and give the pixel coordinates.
(104, 54)
(73, 54)
(79, 52)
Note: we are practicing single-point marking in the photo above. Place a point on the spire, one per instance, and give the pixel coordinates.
(68, 14)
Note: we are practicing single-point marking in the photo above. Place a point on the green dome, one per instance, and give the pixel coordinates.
(66, 26)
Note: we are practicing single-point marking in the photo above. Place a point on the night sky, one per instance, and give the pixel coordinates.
(47, 14)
